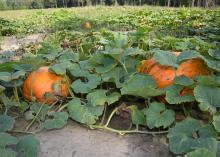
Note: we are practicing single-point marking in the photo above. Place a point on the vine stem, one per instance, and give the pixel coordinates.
(110, 117)
(15, 90)
(104, 113)
(33, 120)
(123, 132)
(68, 84)
(62, 107)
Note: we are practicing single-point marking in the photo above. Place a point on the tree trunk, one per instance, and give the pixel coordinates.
(193, 3)
(168, 3)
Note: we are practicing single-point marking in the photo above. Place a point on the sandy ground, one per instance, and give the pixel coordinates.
(77, 141)
(13, 43)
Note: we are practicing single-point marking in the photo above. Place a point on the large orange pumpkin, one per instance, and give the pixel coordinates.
(42, 82)
(165, 75)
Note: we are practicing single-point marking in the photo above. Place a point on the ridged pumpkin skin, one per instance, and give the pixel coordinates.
(42, 81)
(165, 75)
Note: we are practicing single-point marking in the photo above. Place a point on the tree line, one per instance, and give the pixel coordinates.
(36, 4)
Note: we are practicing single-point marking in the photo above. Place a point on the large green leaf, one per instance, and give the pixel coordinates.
(86, 114)
(183, 80)
(2, 88)
(102, 62)
(216, 122)
(60, 68)
(208, 97)
(59, 120)
(209, 80)
(7, 140)
(117, 75)
(137, 116)
(190, 134)
(201, 153)
(173, 95)
(28, 146)
(7, 152)
(214, 53)
(100, 97)
(18, 74)
(211, 63)
(5, 76)
(158, 116)
(40, 109)
(92, 81)
(6, 123)
(185, 55)
(141, 85)
(166, 58)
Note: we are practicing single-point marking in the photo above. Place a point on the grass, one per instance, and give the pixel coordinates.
(95, 11)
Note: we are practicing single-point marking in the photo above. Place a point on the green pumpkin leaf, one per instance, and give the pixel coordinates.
(58, 121)
(216, 122)
(42, 109)
(60, 68)
(208, 80)
(18, 74)
(211, 63)
(77, 71)
(5, 76)
(7, 152)
(102, 62)
(158, 116)
(117, 75)
(173, 95)
(85, 87)
(2, 88)
(185, 55)
(7, 140)
(201, 153)
(183, 80)
(28, 146)
(6, 123)
(137, 116)
(191, 134)
(69, 56)
(214, 53)
(100, 97)
(86, 114)
(141, 85)
(208, 97)
(165, 58)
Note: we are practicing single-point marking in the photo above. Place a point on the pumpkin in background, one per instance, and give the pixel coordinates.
(42, 82)
(165, 75)
(87, 25)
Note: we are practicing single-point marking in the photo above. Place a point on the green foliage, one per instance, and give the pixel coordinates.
(86, 113)
(141, 85)
(6, 123)
(208, 97)
(191, 134)
(28, 146)
(58, 121)
(158, 116)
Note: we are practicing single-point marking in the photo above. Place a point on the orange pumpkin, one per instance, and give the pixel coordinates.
(87, 25)
(165, 75)
(41, 82)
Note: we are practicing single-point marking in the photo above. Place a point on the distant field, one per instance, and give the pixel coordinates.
(84, 11)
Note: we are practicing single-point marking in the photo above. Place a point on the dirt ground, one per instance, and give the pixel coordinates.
(77, 141)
